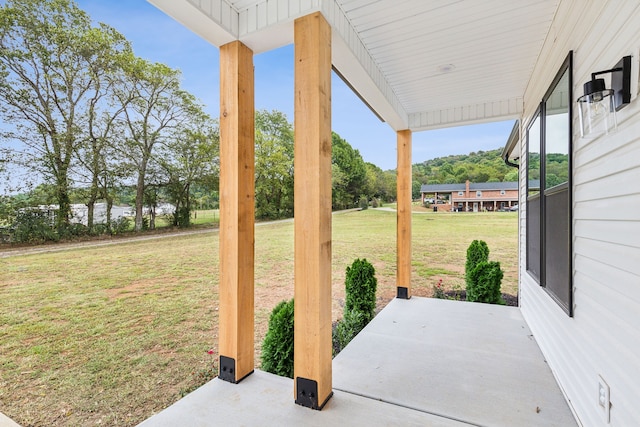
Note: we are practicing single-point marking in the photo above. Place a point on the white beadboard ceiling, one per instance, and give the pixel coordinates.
(419, 64)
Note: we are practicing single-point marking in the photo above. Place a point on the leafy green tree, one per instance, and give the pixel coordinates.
(50, 60)
(274, 165)
(391, 179)
(511, 176)
(189, 157)
(155, 107)
(101, 166)
(482, 166)
(352, 166)
(415, 189)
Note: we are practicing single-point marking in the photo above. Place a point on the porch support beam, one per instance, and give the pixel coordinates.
(403, 274)
(312, 203)
(236, 324)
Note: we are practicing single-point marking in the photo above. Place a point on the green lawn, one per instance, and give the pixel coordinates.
(111, 335)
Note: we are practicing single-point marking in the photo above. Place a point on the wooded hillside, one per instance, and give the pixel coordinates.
(481, 166)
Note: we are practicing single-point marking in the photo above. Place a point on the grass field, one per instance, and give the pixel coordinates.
(111, 335)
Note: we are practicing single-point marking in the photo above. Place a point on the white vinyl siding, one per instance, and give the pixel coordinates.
(603, 337)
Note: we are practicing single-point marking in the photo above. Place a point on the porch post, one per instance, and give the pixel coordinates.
(236, 328)
(312, 203)
(403, 275)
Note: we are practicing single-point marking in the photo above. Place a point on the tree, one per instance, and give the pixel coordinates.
(154, 108)
(274, 165)
(415, 189)
(352, 166)
(190, 156)
(95, 153)
(49, 56)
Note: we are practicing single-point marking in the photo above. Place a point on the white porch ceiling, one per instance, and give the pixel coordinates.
(419, 64)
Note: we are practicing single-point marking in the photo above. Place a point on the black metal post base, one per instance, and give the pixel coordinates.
(403, 293)
(227, 371)
(307, 394)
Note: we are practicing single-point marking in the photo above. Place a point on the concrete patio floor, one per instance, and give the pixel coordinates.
(421, 361)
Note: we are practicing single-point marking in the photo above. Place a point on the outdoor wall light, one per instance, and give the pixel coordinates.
(598, 105)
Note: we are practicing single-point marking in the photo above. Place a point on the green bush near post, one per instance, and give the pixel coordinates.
(360, 287)
(347, 328)
(486, 279)
(360, 303)
(277, 347)
(483, 278)
(477, 252)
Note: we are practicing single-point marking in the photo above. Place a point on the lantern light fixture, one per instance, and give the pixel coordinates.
(598, 105)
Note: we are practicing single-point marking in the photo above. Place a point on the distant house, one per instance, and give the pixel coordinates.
(471, 197)
(80, 213)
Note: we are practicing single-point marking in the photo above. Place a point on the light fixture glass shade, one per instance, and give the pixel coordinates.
(597, 113)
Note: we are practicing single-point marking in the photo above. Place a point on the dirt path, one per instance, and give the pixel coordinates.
(65, 246)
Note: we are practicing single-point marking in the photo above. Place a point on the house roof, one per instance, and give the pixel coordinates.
(474, 186)
(417, 64)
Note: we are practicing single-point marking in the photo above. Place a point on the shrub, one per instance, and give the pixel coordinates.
(375, 203)
(360, 287)
(360, 303)
(477, 252)
(31, 226)
(485, 279)
(182, 217)
(99, 229)
(120, 225)
(363, 203)
(74, 230)
(346, 329)
(277, 347)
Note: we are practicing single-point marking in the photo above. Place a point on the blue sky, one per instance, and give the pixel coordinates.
(157, 37)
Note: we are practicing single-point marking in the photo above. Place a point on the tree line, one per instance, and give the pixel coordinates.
(93, 122)
(81, 110)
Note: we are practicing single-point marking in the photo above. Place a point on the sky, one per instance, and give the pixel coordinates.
(157, 37)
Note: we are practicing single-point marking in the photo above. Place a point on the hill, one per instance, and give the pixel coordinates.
(480, 166)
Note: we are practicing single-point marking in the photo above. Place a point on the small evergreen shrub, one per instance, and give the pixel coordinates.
(477, 252)
(485, 280)
(360, 286)
(277, 347)
(363, 203)
(360, 303)
(345, 329)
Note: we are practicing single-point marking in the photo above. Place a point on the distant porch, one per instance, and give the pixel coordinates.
(421, 361)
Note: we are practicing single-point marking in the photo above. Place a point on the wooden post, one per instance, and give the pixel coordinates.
(236, 328)
(312, 195)
(403, 278)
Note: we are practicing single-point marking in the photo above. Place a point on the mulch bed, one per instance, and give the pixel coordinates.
(461, 295)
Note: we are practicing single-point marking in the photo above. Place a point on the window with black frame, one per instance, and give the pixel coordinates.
(549, 248)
